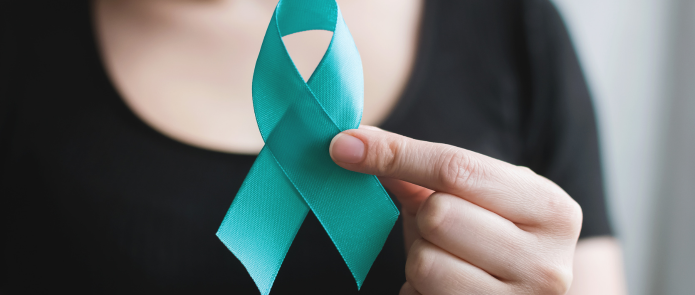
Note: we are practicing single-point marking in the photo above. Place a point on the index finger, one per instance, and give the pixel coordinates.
(513, 192)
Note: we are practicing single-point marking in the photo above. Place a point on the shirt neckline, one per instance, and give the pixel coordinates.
(409, 93)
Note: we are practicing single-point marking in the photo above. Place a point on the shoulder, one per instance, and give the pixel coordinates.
(36, 40)
(477, 72)
(33, 31)
(522, 17)
(22, 22)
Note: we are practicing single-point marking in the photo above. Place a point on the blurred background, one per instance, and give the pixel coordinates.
(639, 58)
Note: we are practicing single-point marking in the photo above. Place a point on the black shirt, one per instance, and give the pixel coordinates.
(95, 201)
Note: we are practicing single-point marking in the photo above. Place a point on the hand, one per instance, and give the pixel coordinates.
(472, 224)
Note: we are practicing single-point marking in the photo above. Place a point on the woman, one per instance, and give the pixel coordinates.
(127, 127)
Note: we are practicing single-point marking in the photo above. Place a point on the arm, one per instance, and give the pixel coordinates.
(564, 147)
(598, 268)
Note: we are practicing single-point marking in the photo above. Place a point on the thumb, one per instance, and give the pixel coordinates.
(346, 148)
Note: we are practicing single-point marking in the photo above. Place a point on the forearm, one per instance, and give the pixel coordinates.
(598, 268)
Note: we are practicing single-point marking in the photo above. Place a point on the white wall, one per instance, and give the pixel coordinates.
(674, 251)
(625, 47)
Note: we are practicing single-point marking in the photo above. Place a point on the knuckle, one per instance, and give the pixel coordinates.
(526, 170)
(407, 289)
(420, 264)
(551, 280)
(456, 169)
(387, 154)
(434, 218)
(575, 217)
(560, 212)
(565, 213)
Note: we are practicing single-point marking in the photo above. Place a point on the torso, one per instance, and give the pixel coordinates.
(185, 67)
(96, 201)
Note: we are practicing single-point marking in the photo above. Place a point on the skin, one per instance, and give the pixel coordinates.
(185, 66)
(473, 224)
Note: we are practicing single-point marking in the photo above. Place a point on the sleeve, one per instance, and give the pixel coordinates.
(7, 60)
(561, 140)
(7, 57)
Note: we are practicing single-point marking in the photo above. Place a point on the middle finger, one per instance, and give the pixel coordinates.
(475, 234)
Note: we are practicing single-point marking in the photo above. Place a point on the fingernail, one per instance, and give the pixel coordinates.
(347, 149)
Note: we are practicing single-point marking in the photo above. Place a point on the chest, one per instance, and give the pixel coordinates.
(85, 161)
(186, 68)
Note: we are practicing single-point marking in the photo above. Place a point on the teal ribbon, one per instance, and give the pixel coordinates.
(294, 172)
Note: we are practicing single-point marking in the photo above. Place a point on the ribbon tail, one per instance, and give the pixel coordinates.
(263, 220)
(352, 207)
(359, 219)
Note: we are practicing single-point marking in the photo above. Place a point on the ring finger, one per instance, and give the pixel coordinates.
(474, 234)
(431, 270)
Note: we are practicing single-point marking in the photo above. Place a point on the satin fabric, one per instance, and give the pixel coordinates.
(294, 172)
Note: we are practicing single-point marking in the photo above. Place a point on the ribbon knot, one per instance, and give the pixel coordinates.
(294, 172)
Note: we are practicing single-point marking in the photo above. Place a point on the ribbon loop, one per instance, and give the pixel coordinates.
(294, 172)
